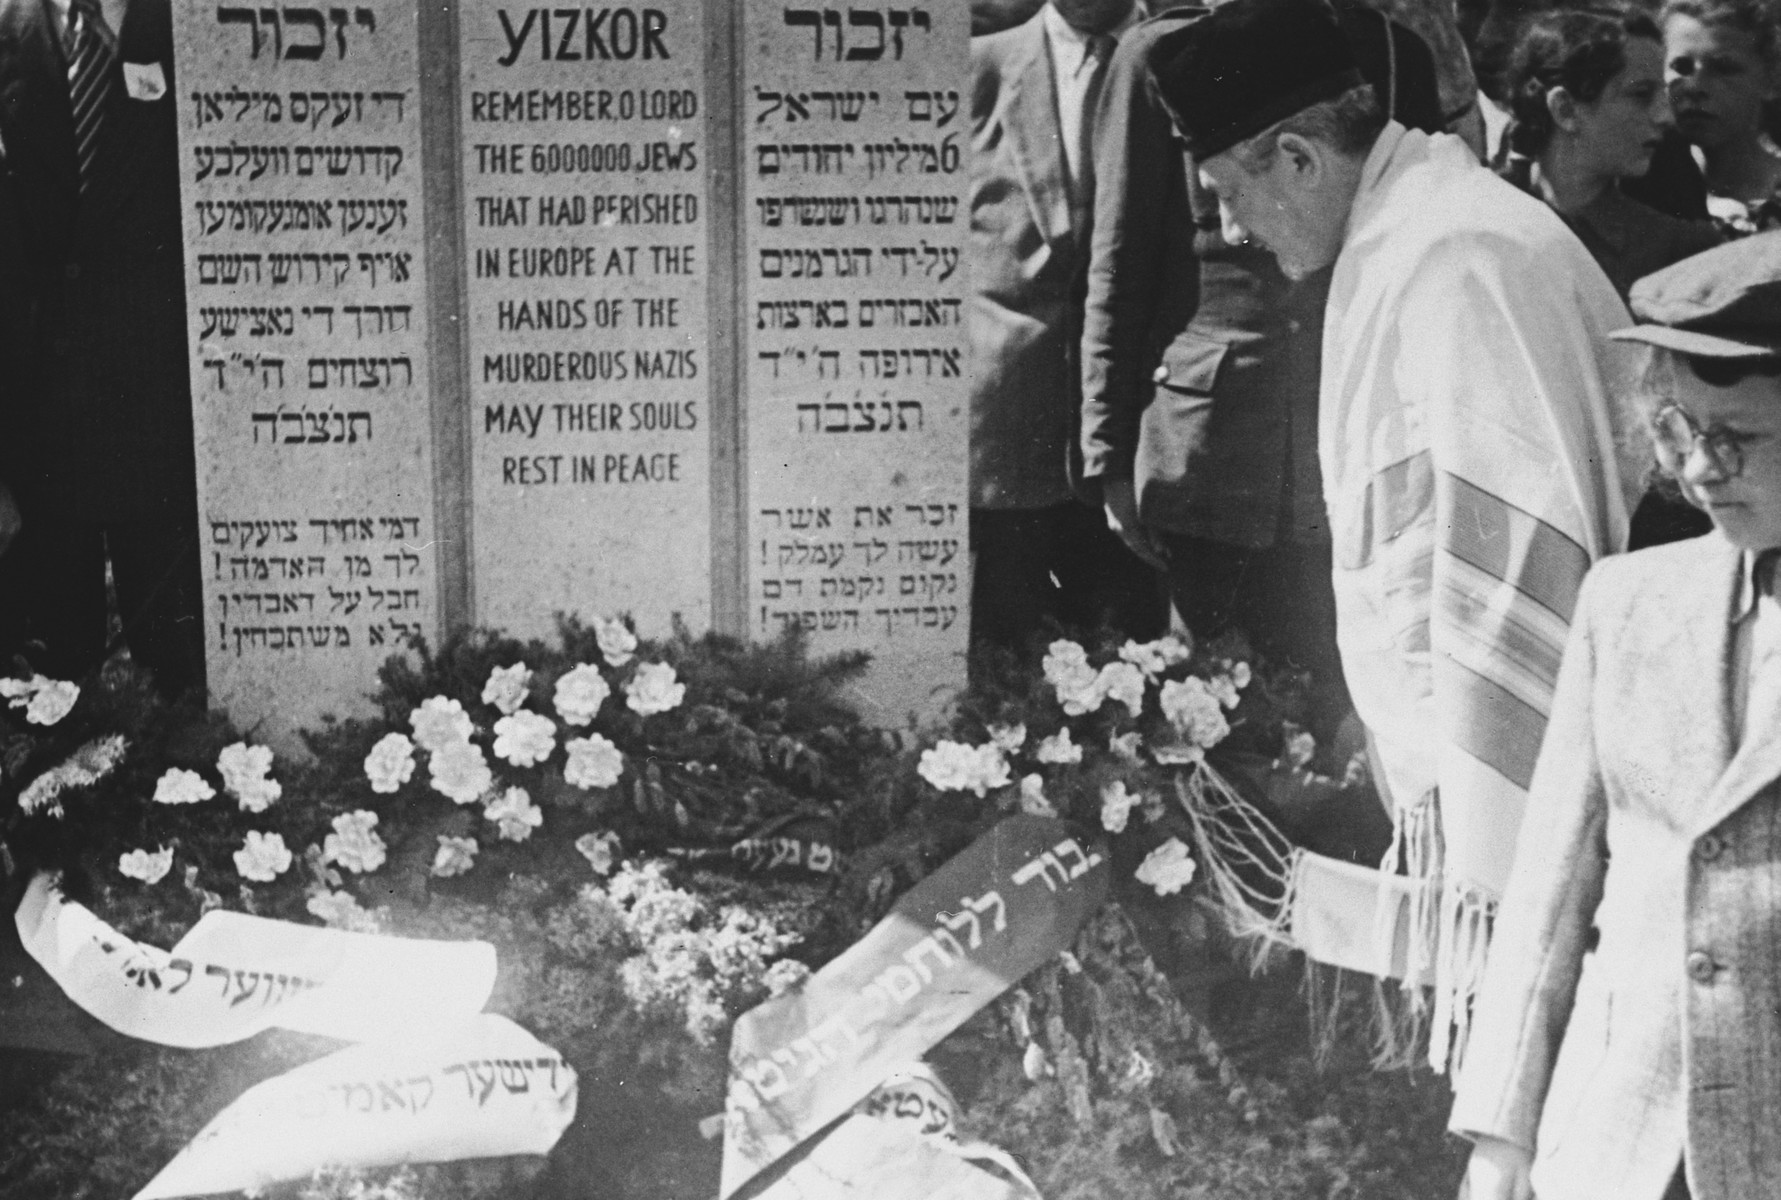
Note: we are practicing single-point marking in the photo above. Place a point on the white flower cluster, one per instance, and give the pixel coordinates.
(1153, 658)
(1195, 712)
(594, 762)
(653, 689)
(354, 844)
(1116, 806)
(600, 850)
(506, 687)
(958, 767)
(691, 963)
(525, 738)
(1168, 868)
(514, 814)
(461, 772)
(438, 723)
(580, 693)
(85, 767)
(146, 867)
(246, 776)
(390, 763)
(455, 856)
(1073, 677)
(263, 857)
(618, 645)
(1059, 749)
(1033, 800)
(45, 701)
(179, 786)
(341, 910)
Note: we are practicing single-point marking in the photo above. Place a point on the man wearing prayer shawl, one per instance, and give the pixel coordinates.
(1467, 436)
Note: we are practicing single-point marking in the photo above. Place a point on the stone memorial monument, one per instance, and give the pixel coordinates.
(649, 309)
(307, 301)
(585, 211)
(854, 314)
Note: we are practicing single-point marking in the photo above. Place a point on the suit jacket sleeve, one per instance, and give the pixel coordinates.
(1536, 956)
(1135, 152)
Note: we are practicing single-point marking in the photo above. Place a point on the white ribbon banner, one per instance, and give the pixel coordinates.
(234, 975)
(479, 1089)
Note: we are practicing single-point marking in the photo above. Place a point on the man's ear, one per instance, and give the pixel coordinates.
(1563, 107)
(1305, 156)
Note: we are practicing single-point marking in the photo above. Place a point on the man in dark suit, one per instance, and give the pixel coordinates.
(100, 410)
(1200, 371)
(1039, 553)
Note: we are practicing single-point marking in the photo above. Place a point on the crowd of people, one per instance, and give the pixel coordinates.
(1359, 374)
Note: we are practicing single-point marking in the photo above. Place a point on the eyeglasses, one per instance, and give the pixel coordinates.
(1677, 434)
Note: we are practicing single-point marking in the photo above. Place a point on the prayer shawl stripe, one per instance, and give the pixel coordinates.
(1513, 545)
(1496, 622)
(1396, 497)
(1491, 724)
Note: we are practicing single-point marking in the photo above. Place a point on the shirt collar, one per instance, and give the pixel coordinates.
(1751, 587)
(1372, 176)
(114, 11)
(1065, 38)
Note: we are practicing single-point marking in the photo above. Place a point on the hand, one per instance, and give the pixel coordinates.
(1121, 504)
(1498, 1170)
(10, 520)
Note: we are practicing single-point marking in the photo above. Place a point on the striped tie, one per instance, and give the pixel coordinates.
(91, 47)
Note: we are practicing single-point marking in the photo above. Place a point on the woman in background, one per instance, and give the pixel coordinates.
(1589, 105)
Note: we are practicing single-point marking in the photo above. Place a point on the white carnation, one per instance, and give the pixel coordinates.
(179, 786)
(580, 693)
(149, 868)
(461, 772)
(506, 688)
(515, 814)
(1168, 868)
(786, 975)
(1195, 712)
(594, 762)
(455, 856)
(1058, 748)
(341, 910)
(653, 689)
(1153, 658)
(1122, 682)
(263, 857)
(1033, 799)
(52, 702)
(438, 723)
(1116, 806)
(957, 767)
(617, 643)
(390, 763)
(525, 739)
(600, 850)
(1008, 738)
(354, 844)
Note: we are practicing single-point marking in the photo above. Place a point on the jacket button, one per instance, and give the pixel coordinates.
(71, 271)
(1710, 847)
(1160, 375)
(1701, 966)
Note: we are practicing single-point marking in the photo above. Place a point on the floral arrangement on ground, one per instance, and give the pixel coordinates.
(658, 835)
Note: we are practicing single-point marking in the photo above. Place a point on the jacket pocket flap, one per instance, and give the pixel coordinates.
(1190, 364)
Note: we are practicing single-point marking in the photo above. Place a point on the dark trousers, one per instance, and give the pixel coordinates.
(1280, 597)
(1063, 564)
(53, 604)
(1678, 1187)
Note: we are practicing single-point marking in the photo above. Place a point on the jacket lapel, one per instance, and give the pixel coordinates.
(1748, 768)
(1035, 138)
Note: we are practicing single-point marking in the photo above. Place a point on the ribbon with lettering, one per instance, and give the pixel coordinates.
(477, 1089)
(956, 941)
(796, 842)
(234, 975)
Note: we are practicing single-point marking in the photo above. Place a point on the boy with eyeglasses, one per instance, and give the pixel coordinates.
(1626, 1041)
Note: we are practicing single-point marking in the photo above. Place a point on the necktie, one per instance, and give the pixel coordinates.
(1094, 64)
(91, 47)
(1762, 711)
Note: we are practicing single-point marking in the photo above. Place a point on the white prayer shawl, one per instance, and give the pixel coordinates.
(1474, 466)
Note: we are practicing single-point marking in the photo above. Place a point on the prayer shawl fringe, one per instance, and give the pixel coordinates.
(1244, 857)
